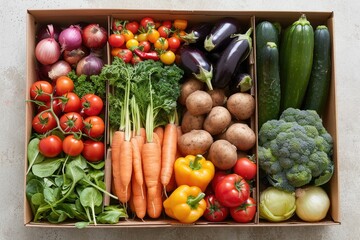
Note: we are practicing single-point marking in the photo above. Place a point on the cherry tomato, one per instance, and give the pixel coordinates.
(167, 57)
(153, 35)
(94, 126)
(117, 25)
(70, 102)
(125, 55)
(174, 43)
(147, 22)
(93, 150)
(41, 90)
(44, 122)
(164, 31)
(132, 43)
(167, 23)
(50, 146)
(135, 59)
(144, 46)
(64, 85)
(232, 190)
(114, 51)
(245, 212)
(218, 176)
(132, 26)
(180, 24)
(127, 34)
(116, 40)
(245, 168)
(142, 37)
(161, 43)
(71, 122)
(214, 211)
(56, 105)
(72, 146)
(92, 104)
(179, 35)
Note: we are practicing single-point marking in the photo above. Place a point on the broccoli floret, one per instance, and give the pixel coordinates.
(295, 150)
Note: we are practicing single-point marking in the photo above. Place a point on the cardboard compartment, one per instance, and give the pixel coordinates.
(248, 19)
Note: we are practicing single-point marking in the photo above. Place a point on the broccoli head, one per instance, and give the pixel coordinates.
(295, 150)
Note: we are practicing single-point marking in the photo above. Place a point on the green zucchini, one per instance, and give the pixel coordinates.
(266, 32)
(296, 58)
(268, 79)
(318, 87)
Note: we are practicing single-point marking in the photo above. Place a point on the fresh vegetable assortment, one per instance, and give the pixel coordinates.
(181, 110)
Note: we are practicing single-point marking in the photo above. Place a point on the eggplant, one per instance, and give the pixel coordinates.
(232, 56)
(220, 34)
(241, 82)
(197, 33)
(194, 61)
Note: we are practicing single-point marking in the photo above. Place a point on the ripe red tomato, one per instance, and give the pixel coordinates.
(44, 122)
(116, 40)
(164, 31)
(144, 46)
(92, 104)
(94, 126)
(135, 59)
(132, 26)
(245, 168)
(93, 150)
(125, 55)
(70, 102)
(214, 211)
(174, 43)
(245, 212)
(147, 22)
(167, 23)
(232, 190)
(41, 91)
(218, 176)
(64, 85)
(50, 146)
(56, 105)
(71, 122)
(72, 145)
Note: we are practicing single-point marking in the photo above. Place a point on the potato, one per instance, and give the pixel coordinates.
(194, 142)
(241, 105)
(189, 86)
(217, 120)
(241, 135)
(218, 96)
(199, 103)
(190, 122)
(222, 154)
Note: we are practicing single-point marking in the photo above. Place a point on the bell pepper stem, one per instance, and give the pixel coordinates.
(196, 165)
(193, 202)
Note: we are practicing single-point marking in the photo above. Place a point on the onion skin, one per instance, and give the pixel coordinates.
(47, 51)
(90, 65)
(94, 36)
(60, 68)
(44, 32)
(70, 38)
(312, 203)
(74, 56)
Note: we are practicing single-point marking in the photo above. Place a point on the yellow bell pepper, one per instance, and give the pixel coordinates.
(194, 171)
(185, 204)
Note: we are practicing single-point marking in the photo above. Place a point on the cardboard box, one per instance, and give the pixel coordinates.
(66, 17)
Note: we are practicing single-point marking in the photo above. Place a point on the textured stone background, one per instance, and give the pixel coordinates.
(12, 102)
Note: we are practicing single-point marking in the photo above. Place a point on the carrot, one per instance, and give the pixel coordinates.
(168, 153)
(137, 162)
(154, 207)
(138, 199)
(125, 167)
(160, 132)
(171, 186)
(117, 140)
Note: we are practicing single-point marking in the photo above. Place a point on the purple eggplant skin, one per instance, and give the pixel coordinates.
(194, 61)
(220, 34)
(240, 82)
(197, 33)
(233, 55)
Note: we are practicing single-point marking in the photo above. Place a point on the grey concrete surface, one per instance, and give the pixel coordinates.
(12, 106)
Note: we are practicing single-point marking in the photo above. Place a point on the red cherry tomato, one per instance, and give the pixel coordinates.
(214, 211)
(132, 26)
(93, 150)
(245, 168)
(147, 22)
(245, 212)
(125, 55)
(92, 104)
(218, 176)
(144, 46)
(70, 102)
(44, 122)
(56, 105)
(72, 145)
(94, 126)
(174, 43)
(167, 23)
(164, 31)
(116, 40)
(71, 122)
(64, 85)
(50, 146)
(41, 90)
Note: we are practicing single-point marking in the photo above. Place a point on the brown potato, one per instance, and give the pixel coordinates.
(194, 142)
(199, 103)
(241, 135)
(190, 122)
(218, 96)
(217, 120)
(222, 154)
(241, 105)
(189, 86)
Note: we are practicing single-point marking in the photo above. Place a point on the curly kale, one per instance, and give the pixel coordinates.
(296, 150)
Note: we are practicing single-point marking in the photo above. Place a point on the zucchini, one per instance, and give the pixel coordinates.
(268, 79)
(319, 83)
(296, 58)
(266, 32)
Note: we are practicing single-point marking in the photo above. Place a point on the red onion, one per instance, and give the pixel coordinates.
(44, 32)
(90, 65)
(60, 68)
(94, 36)
(74, 56)
(70, 38)
(47, 51)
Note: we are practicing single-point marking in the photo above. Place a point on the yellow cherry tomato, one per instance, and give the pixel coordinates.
(142, 37)
(161, 43)
(128, 35)
(132, 43)
(153, 35)
(168, 57)
(180, 24)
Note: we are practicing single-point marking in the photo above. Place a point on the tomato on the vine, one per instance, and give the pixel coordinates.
(41, 91)
(92, 104)
(56, 107)
(132, 26)
(70, 102)
(125, 55)
(164, 31)
(93, 150)
(72, 145)
(117, 25)
(63, 85)
(232, 190)
(94, 126)
(50, 146)
(116, 40)
(71, 122)
(245, 212)
(167, 57)
(245, 168)
(147, 22)
(214, 211)
(44, 122)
